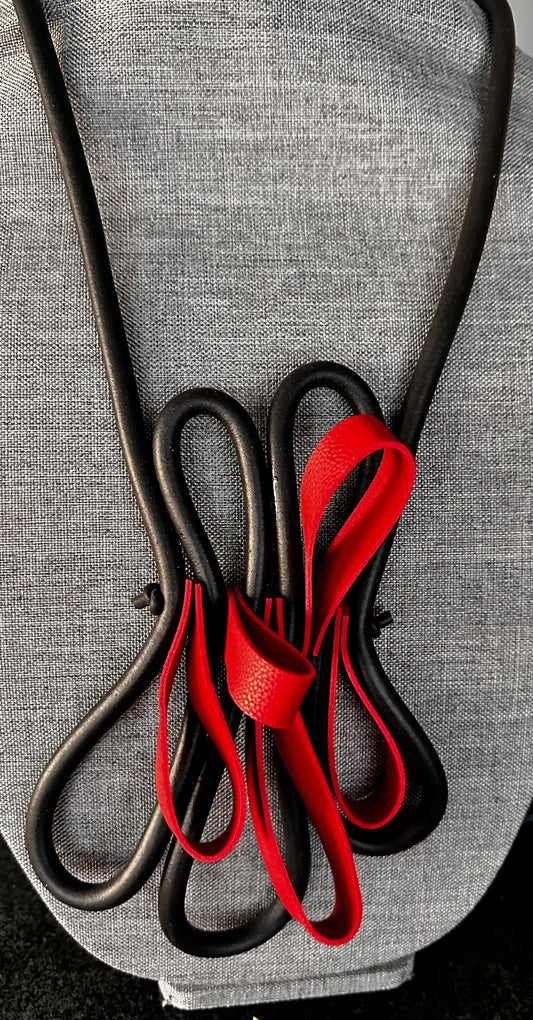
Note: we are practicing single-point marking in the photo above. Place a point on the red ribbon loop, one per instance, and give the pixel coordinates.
(304, 769)
(302, 765)
(340, 451)
(207, 707)
(370, 812)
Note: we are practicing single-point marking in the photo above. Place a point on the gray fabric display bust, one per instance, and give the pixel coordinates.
(279, 182)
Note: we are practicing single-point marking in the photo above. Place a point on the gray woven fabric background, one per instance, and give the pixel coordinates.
(279, 181)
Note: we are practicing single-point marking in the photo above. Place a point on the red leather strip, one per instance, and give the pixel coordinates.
(338, 453)
(381, 806)
(206, 705)
(268, 678)
(170, 668)
(302, 765)
(300, 760)
(333, 459)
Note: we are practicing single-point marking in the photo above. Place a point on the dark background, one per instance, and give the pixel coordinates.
(483, 970)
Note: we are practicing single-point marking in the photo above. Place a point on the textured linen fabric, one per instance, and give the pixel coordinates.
(279, 182)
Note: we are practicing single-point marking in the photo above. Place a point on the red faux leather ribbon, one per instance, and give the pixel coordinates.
(207, 707)
(300, 760)
(268, 678)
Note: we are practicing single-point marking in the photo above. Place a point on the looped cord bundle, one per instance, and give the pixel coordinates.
(268, 678)
(273, 647)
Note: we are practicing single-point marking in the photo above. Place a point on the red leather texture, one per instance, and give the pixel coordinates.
(267, 677)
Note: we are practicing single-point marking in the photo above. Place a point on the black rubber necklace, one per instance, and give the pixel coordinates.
(166, 508)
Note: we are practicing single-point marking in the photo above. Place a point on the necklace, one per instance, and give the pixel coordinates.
(194, 777)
